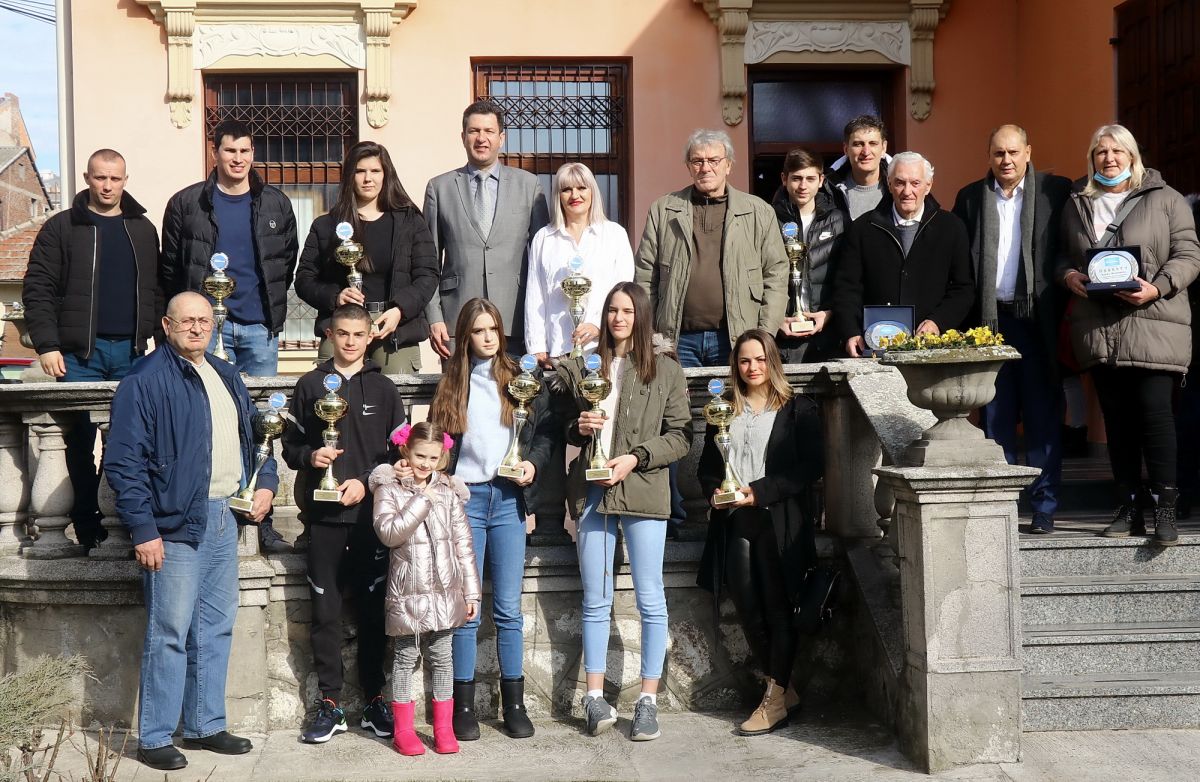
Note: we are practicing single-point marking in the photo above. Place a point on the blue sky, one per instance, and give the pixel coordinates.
(28, 69)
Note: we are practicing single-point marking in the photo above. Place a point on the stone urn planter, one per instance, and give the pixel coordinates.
(951, 382)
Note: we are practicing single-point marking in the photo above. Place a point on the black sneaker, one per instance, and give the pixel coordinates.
(270, 541)
(329, 719)
(1042, 524)
(377, 717)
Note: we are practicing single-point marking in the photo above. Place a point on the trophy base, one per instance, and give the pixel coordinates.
(598, 474)
(240, 504)
(327, 495)
(801, 326)
(516, 473)
(728, 497)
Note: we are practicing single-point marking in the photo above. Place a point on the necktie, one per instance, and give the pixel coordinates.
(483, 205)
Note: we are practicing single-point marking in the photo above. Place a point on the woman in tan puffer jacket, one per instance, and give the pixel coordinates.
(1136, 343)
(433, 585)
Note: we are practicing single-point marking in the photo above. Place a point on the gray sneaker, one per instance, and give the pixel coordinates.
(645, 721)
(600, 715)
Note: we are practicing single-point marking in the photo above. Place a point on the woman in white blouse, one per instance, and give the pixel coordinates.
(579, 228)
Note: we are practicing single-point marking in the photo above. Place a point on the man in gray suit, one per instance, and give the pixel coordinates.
(482, 217)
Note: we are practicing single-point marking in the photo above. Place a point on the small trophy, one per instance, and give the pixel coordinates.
(523, 388)
(575, 287)
(268, 424)
(596, 389)
(719, 412)
(220, 286)
(797, 252)
(330, 409)
(348, 254)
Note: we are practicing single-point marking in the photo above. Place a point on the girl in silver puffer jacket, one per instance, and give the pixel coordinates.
(433, 585)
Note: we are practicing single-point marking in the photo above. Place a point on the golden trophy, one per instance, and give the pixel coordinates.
(596, 389)
(719, 412)
(220, 286)
(575, 287)
(348, 254)
(523, 388)
(268, 424)
(797, 252)
(330, 409)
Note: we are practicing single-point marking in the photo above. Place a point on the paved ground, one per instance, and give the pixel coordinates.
(829, 748)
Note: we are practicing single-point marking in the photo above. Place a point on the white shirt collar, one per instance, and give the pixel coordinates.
(1020, 188)
(915, 218)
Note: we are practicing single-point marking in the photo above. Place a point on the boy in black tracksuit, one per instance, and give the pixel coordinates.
(343, 549)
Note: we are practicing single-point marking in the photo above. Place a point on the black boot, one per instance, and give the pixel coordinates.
(516, 721)
(466, 727)
(1129, 518)
(1165, 532)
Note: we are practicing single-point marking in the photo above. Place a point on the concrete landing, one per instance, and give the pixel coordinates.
(825, 747)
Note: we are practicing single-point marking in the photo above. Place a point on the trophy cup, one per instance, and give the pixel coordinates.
(349, 253)
(330, 409)
(268, 424)
(522, 388)
(596, 389)
(719, 412)
(575, 286)
(797, 252)
(220, 286)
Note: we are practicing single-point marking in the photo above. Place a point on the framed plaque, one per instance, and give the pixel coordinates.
(1113, 269)
(881, 321)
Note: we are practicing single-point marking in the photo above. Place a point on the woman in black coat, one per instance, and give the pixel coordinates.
(399, 267)
(760, 547)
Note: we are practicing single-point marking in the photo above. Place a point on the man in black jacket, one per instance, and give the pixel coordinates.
(1012, 217)
(907, 251)
(92, 300)
(857, 181)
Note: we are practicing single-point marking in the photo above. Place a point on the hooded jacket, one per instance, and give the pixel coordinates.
(431, 573)
(374, 409)
(61, 285)
(824, 239)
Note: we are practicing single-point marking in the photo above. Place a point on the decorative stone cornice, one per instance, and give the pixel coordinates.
(201, 32)
(751, 31)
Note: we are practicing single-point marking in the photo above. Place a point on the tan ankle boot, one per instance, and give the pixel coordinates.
(769, 715)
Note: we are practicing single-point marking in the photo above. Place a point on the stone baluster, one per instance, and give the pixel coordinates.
(118, 544)
(51, 495)
(14, 484)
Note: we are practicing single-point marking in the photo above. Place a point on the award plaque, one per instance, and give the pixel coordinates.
(268, 424)
(523, 388)
(330, 409)
(596, 389)
(886, 321)
(348, 254)
(719, 411)
(1113, 269)
(220, 286)
(576, 287)
(800, 302)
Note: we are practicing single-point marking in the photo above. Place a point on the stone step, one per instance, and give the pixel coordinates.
(1088, 555)
(1109, 599)
(1111, 701)
(1143, 647)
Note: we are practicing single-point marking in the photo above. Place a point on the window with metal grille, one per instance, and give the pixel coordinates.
(303, 124)
(563, 112)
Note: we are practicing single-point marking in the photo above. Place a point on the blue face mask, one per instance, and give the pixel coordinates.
(1113, 181)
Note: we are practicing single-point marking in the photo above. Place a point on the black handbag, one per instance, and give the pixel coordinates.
(817, 599)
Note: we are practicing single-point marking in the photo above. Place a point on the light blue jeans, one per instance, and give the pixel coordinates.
(190, 607)
(597, 542)
(498, 533)
(251, 348)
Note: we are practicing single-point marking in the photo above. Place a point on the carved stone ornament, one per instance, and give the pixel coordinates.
(211, 42)
(891, 39)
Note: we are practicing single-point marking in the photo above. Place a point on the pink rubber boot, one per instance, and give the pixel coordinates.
(444, 742)
(405, 739)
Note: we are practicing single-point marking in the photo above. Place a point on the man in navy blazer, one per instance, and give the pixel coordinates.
(482, 217)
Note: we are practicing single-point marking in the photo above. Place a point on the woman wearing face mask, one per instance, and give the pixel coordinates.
(399, 267)
(472, 403)
(1137, 343)
(578, 228)
(760, 547)
(645, 427)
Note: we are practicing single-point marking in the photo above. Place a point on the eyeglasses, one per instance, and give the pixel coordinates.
(699, 163)
(187, 324)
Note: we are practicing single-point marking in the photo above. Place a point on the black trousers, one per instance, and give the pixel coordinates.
(1140, 423)
(347, 560)
(754, 580)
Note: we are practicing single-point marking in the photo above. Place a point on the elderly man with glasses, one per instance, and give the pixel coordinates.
(180, 445)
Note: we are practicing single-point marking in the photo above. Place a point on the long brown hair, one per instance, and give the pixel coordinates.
(392, 195)
(778, 389)
(641, 352)
(449, 408)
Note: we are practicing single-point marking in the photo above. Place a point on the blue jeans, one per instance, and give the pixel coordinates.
(1025, 394)
(597, 542)
(703, 348)
(251, 348)
(111, 359)
(190, 607)
(498, 530)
